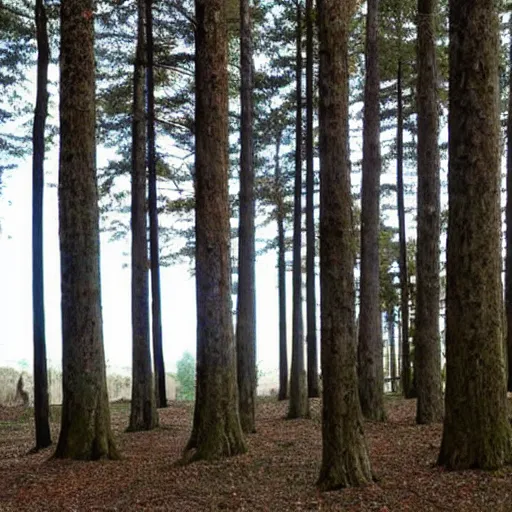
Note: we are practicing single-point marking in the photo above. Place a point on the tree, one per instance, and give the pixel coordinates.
(41, 400)
(313, 381)
(246, 310)
(143, 414)
(508, 220)
(299, 406)
(85, 426)
(186, 376)
(345, 459)
(476, 431)
(370, 349)
(156, 302)
(216, 430)
(427, 348)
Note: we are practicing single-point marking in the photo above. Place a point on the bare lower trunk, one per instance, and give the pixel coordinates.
(143, 414)
(41, 401)
(476, 430)
(281, 270)
(246, 308)
(345, 459)
(508, 213)
(370, 349)
(427, 346)
(85, 426)
(313, 384)
(390, 317)
(299, 406)
(156, 301)
(216, 430)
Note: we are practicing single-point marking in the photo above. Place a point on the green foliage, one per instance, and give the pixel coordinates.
(186, 377)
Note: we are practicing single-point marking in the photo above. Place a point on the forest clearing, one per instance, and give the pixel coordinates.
(278, 473)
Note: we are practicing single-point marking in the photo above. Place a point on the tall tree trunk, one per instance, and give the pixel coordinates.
(299, 405)
(41, 400)
(390, 317)
(246, 310)
(85, 427)
(476, 430)
(143, 414)
(281, 270)
(427, 347)
(404, 280)
(216, 430)
(313, 384)
(508, 213)
(345, 459)
(370, 349)
(156, 301)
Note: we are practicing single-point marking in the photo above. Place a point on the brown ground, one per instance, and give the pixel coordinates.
(277, 474)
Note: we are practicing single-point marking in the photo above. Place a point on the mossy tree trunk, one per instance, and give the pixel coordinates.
(216, 430)
(476, 430)
(427, 347)
(299, 405)
(312, 344)
(85, 427)
(370, 348)
(281, 271)
(345, 459)
(143, 413)
(156, 300)
(246, 306)
(41, 399)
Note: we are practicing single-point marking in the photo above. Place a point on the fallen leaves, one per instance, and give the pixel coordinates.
(277, 474)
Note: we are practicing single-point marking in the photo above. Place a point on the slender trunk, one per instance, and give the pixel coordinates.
(156, 301)
(345, 459)
(281, 270)
(246, 310)
(41, 400)
(508, 213)
(476, 431)
(299, 406)
(404, 280)
(216, 430)
(143, 414)
(370, 349)
(85, 426)
(390, 317)
(427, 346)
(313, 385)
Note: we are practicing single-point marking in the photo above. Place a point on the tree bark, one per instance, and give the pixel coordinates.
(390, 317)
(246, 310)
(143, 413)
(216, 430)
(156, 301)
(508, 214)
(476, 430)
(370, 348)
(85, 427)
(312, 345)
(299, 405)
(345, 459)
(281, 270)
(427, 348)
(402, 261)
(41, 400)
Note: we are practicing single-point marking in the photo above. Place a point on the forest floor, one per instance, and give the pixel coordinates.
(277, 474)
